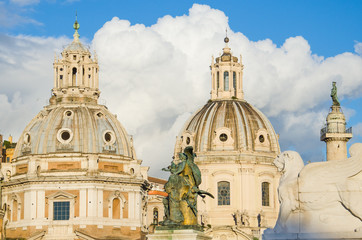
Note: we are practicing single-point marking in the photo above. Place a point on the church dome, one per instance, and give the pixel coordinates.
(74, 122)
(229, 125)
(74, 128)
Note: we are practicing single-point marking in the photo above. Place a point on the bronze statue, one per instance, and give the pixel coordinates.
(183, 188)
(334, 95)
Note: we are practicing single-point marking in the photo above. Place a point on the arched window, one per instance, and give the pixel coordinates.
(223, 193)
(226, 81)
(155, 216)
(234, 80)
(217, 81)
(74, 76)
(15, 211)
(265, 194)
(116, 208)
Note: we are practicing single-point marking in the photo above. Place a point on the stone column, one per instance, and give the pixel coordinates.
(336, 135)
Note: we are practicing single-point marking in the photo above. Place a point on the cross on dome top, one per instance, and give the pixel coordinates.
(76, 26)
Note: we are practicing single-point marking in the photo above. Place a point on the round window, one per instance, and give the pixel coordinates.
(223, 137)
(261, 138)
(99, 114)
(68, 113)
(131, 171)
(65, 135)
(188, 140)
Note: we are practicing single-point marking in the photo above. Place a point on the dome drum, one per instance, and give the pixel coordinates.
(75, 164)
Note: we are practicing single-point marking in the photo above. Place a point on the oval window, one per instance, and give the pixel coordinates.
(188, 140)
(223, 137)
(261, 138)
(108, 136)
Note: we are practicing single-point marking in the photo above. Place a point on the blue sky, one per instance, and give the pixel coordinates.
(324, 37)
(330, 26)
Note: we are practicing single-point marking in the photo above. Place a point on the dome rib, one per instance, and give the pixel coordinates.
(242, 127)
(242, 123)
(215, 107)
(86, 130)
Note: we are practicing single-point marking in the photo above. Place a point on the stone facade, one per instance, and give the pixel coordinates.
(235, 145)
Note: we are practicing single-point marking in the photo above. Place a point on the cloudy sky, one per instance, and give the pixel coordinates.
(154, 59)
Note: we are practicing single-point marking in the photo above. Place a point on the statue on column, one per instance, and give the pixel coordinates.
(182, 188)
(334, 95)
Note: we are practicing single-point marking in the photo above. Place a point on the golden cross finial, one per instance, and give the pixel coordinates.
(76, 24)
(76, 27)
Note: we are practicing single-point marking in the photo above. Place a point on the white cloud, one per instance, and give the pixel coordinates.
(26, 78)
(357, 130)
(13, 15)
(358, 48)
(154, 77)
(25, 2)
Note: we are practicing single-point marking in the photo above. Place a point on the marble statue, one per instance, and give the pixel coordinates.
(245, 218)
(334, 95)
(321, 197)
(182, 188)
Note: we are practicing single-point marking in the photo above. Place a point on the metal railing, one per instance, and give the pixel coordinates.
(341, 128)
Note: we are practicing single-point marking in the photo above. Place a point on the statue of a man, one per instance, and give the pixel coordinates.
(334, 95)
(182, 188)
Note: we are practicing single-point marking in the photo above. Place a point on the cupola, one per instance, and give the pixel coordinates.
(227, 76)
(75, 74)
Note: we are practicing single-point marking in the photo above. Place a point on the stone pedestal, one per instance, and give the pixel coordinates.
(313, 236)
(167, 233)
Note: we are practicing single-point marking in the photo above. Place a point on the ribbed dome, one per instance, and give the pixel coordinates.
(74, 128)
(229, 125)
(76, 46)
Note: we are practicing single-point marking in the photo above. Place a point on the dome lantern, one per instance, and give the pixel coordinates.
(75, 74)
(226, 76)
